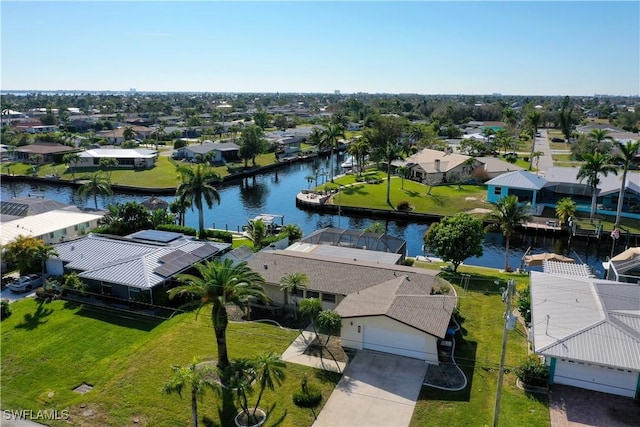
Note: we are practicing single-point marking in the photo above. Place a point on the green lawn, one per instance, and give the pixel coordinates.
(47, 350)
(478, 354)
(439, 202)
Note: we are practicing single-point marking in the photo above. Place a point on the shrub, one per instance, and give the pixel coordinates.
(189, 231)
(5, 310)
(224, 236)
(524, 304)
(533, 372)
(403, 205)
(272, 239)
(511, 158)
(409, 261)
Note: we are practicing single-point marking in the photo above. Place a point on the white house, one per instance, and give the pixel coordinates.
(588, 331)
(126, 157)
(437, 166)
(218, 151)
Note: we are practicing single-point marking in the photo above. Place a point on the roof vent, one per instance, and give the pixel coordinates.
(266, 267)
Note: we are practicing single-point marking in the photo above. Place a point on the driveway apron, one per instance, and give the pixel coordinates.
(376, 389)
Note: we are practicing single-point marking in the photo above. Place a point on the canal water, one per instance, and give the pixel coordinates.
(274, 192)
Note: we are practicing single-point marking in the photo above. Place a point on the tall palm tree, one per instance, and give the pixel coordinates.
(595, 164)
(533, 118)
(97, 184)
(71, 159)
(197, 378)
(290, 284)
(218, 283)
(507, 215)
(195, 187)
(309, 179)
(403, 171)
(359, 150)
(179, 207)
(628, 154)
(565, 208)
(536, 155)
(390, 153)
(330, 138)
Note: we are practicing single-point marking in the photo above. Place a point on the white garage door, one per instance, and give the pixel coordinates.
(596, 378)
(394, 342)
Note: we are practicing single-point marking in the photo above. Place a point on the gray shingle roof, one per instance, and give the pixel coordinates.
(213, 146)
(333, 274)
(405, 301)
(586, 319)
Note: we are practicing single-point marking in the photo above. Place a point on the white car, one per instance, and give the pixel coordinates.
(26, 283)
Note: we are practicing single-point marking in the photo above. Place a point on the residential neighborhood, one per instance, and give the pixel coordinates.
(320, 214)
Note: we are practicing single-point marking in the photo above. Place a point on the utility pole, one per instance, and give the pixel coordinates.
(508, 325)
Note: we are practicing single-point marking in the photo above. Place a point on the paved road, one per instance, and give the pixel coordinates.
(376, 389)
(542, 144)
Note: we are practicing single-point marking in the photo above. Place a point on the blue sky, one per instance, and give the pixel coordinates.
(523, 48)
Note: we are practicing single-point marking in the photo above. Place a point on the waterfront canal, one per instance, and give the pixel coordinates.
(274, 192)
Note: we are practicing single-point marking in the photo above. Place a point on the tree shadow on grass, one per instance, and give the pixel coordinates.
(33, 320)
(120, 318)
(465, 356)
(437, 199)
(412, 193)
(485, 283)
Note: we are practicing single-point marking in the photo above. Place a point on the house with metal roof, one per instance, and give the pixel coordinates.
(625, 267)
(217, 151)
(525, 185)
(409, 319)
(138, 267)
(588, 331)
(126, 157)
(44, 219)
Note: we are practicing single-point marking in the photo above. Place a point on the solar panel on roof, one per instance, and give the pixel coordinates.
(156, 236)
(204, 251)
(171, 255)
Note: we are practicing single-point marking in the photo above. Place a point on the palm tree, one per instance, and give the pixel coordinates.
(536, 155)
(403, 171)
(71, 159)
(507, 215)
(198, 378)
(565, 208)
(533, 118)
(256, 232)
(97, 184)
(42, 253)
(359, 150)
(330, 139)
(179, 207)
(627, 155)
(107, 163)
(416, 133)
(595, 164)
(269, 369)
(128, 133)
(290, 284)
(310, 308)
(196, 186)
(219, 283)
(329, 323)
(390, 153)
(599, 136)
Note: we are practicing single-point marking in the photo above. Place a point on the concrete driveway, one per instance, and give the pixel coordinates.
(376, 389)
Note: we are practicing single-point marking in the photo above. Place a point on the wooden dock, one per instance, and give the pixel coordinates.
(552, 226)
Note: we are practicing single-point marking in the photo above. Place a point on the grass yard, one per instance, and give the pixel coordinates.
(478, 354)
(439, 202)
(49, 349)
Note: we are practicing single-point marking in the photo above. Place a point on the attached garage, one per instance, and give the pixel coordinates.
(593, 377)
(400, 343)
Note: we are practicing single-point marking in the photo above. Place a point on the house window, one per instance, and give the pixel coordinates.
(298, 292)
(329, 298)
(313, 294)
(107, 289)
(497, 191)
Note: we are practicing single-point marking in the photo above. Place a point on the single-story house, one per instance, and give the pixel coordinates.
(436, 166)
(116, 136)
(42, 152)
(220, 151)
(141, 266)
(588, 331)
(342, 283)
(525, 185)
(491, 167)
(126, 157)
(44, 219)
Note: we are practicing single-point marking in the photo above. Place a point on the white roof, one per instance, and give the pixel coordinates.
(44, 223)
(519, 179)
(121, 153)
(586, 319)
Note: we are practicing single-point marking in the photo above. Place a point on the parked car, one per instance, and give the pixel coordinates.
(26, 283)
(7, 280)
(557, 139)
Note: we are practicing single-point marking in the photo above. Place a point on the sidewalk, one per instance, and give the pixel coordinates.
(295, 354)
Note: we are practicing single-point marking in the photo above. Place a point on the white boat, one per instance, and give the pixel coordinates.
(349, 163)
